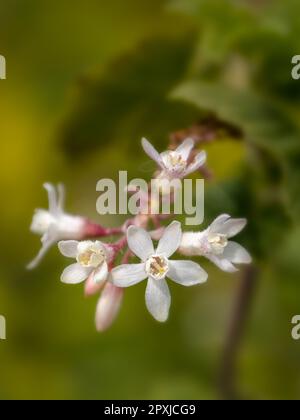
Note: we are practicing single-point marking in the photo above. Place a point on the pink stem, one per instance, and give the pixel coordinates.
(121, 244)
(93, 230)
(127, 257)
(156, 221)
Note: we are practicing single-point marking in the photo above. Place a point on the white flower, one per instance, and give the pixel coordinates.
(155, 267)
(93, 259)
(54, 224)
(175, 164)
(214, 243)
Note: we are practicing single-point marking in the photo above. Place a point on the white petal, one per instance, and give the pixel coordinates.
(68, 249)
(140, 242)
(237, 254)
(217, 224)
(41, 222)
(233, 226)
(53, 204)
(185, 148)
(61, 197)
(158, 299)
(75, 274)
(84, 246)
(165, 156)
(49, 239)
(198, 162)
(170, 240)
(128, 275)
(152, 152)
(187, 273)
(223, 264)
(101, 274)
(45, 248)
(108, 306)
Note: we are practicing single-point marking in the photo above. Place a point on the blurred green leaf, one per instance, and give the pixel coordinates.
(262, 122)
(266, 126)
(264, 34)
(129, 97)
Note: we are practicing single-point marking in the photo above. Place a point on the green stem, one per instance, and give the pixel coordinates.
(236, 331)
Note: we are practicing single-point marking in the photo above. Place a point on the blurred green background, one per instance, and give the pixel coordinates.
(85, 81)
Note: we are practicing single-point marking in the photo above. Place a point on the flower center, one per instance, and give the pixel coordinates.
(92, 257)
(217, 242)
(174, 161)
(157, 267)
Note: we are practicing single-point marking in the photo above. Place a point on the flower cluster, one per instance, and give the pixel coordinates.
(156, 266)
(106, 268)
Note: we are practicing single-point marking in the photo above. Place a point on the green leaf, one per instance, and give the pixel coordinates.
(266, 192)
(264, 35)
(262, 122)
(129, 99)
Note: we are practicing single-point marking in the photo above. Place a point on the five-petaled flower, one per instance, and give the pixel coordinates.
(93, 260)
(93, 265)
(214, 243)
(176, 164)
(54, 224)
(156, 266)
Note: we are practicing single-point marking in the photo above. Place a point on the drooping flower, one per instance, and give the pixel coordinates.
(93, 259)
(214, 243)
(156, 266)
(54, 224)
(176, 164)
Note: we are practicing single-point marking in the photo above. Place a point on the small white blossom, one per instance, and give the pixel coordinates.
(176, 164)
(54, 224)
(214, 243)
(156, 266)
(93, 259)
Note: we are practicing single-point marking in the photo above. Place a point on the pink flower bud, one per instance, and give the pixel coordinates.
(91, 286)
(108, 306)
